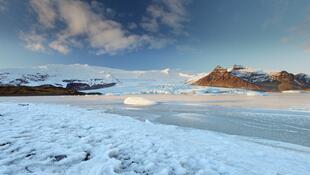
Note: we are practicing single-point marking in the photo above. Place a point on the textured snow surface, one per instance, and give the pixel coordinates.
(58, 139)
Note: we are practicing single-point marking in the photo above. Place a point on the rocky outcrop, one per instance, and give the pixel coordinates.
(286, 81)
(36, 91)
(303, 79)
(78, 86)
(85, 86)
(239, 77)
(221, 77)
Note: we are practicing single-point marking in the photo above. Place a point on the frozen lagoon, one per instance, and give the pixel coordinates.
(66, 140)
(280, 117)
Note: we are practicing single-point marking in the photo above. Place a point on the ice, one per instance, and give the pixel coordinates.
(62, 139)
(253, 93)
(139, 101)
(292, 92)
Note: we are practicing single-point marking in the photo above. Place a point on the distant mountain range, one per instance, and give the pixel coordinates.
(72, 79)
(79, 77)
(245, 78)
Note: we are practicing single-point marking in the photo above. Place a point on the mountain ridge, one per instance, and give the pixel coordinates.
(244, 78)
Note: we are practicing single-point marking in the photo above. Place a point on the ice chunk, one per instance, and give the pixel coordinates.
(254, 93)
(291, 92)
(139, 101)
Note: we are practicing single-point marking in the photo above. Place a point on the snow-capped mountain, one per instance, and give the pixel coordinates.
(247, 78)
(101, 79)
(85, 77)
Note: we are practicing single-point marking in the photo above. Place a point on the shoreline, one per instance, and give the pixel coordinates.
(270, 101)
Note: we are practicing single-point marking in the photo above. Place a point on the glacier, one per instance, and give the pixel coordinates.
(166, 81)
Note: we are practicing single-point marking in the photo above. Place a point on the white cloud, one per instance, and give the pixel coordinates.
(33, 41)
(75, 23)
(59, 46)
(45, 11)
(171, 13)
(96, 31)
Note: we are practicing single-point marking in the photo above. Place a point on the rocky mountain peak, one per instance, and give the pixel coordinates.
(219, 68)
(221, 77)
(238, 67)
(283, 76)
(241, 77)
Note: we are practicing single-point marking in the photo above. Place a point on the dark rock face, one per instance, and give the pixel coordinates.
(36, 77)
(19, 81)
(220, 77)
(99, 86)
(78, 86)
(37, 90)
(286, 81)
(85, 86)
(281, 81)
(303, 79)
(238, 67)
(25, 79)
(71, 81)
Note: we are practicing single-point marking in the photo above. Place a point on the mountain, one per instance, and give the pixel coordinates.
(89, 78)
(245, 78)
(221, 77)
(109, 81)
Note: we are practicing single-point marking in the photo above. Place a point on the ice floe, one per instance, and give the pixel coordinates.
(139, 101)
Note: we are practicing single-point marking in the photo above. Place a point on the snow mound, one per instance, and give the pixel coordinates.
(139, 101)
(165, 71)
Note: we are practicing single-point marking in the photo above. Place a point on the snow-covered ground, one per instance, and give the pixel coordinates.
(61, 139)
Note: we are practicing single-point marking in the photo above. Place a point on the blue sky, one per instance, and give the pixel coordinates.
(192, 35)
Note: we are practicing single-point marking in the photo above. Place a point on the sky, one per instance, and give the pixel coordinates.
(191, 35)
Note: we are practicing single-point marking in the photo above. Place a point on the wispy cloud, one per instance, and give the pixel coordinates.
(33, 41)
(170, 13)
(45, 10)
(300, 35)
(78, 19)
(60, 46)
(3, 5)
(74, 23)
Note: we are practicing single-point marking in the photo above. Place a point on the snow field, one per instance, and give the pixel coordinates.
(61, 139)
